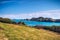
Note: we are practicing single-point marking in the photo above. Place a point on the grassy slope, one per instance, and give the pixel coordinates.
(16, 32)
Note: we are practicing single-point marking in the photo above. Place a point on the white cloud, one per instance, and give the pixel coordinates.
(51, 13)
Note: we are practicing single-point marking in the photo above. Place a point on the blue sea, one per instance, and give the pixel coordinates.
(34, 23)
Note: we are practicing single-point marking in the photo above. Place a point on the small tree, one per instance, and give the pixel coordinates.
(21, 23)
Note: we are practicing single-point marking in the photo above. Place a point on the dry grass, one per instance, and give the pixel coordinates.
(21, 32)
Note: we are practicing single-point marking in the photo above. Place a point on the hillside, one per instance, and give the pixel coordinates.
(43, 19)
(21, 32)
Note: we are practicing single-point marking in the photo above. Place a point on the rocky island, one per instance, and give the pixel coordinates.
(42, 19)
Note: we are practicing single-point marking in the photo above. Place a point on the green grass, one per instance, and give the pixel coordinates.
(22, 32)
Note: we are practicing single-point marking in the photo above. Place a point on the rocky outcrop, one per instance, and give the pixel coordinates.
(42, 19)
(57, 20)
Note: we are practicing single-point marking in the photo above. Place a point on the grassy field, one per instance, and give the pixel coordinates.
(22, 32)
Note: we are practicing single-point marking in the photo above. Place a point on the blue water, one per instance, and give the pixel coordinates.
(34, 23)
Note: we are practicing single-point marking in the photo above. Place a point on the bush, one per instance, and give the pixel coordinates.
(6, 20)
(52, 28)
(21, 23)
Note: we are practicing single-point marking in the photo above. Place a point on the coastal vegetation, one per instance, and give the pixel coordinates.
(50, 28)
(10, 30)
(10, 21)
(7, 20)
(22, 32)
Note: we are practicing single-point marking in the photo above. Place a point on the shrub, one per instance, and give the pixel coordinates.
(6, 20)
(51, 28)
(21, 23)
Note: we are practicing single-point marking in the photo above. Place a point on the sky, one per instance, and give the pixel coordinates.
(26, 9)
